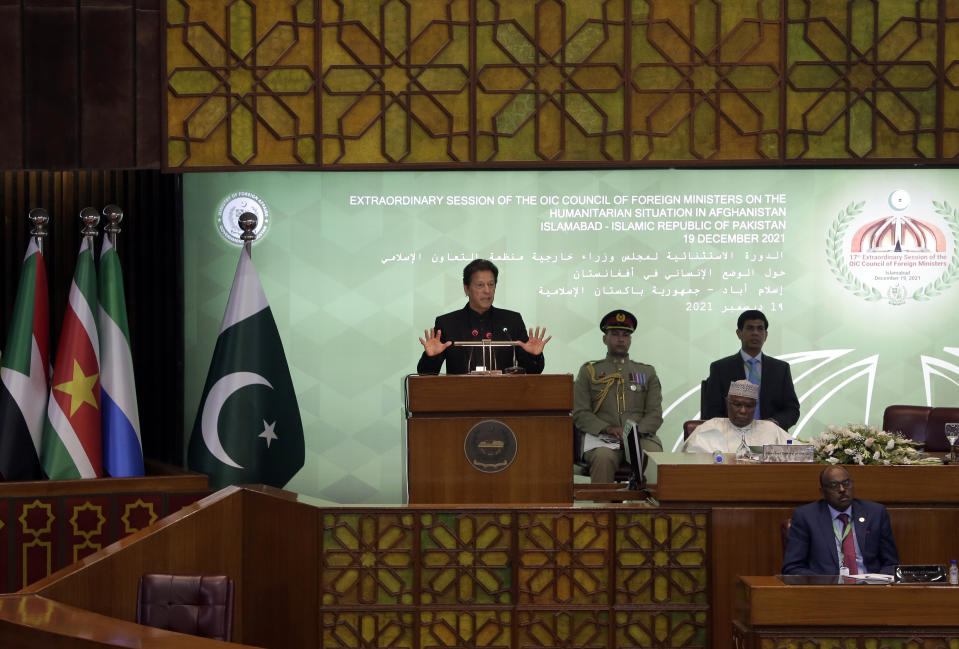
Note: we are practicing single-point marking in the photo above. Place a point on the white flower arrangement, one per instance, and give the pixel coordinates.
(861, 444)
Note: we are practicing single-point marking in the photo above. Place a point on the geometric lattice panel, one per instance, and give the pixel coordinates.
(367, 559)
(323, 84)
(514, 577)
(333, 83)
(705, 80)
(241, 78)
(563, 558)
(550, 80)
(395, 81)
(465, 559)
(862, 80)
(661, 558)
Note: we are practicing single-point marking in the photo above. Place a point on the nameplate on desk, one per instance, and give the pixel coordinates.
(787, 453)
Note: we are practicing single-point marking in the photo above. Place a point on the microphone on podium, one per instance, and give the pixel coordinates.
(515, 367)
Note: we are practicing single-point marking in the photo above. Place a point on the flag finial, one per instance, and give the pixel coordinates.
(113, 214)
(247, 222)
(90, 217)
(39, 217)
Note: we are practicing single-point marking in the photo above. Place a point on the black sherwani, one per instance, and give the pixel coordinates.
(466, 324)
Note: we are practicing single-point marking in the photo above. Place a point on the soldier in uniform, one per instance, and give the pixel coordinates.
(609, 392)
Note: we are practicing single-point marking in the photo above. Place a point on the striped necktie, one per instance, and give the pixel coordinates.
(848, 545)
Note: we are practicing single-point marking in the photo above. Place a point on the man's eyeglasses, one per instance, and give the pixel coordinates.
(834, 485)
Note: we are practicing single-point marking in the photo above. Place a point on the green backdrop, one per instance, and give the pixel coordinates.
(356, 264)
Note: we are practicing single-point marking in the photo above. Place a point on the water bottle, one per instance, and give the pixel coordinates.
(953, 573)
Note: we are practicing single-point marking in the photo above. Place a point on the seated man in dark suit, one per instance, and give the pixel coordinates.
(777, 396)
(480, 320)
(839, 533)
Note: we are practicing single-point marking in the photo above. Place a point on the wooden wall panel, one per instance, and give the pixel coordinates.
(81, 84)
(50, 91)
(11, 78)
(273, 591)
(106, 70)
(181, 544)
(148, 100)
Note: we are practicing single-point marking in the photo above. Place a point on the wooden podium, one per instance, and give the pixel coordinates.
(490, 438)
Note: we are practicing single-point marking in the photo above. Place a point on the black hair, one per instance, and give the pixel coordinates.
(477, 265)
(751, 314)
(830, 466)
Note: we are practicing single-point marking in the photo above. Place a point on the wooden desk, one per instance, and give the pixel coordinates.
(771, 614)
(748, 504)
(442, 411)
(692, 477)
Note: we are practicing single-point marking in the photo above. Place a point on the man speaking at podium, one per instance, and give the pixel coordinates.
(477, 321)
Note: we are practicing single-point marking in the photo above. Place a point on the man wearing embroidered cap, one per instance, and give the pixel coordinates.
(609, 392)
(728, 434)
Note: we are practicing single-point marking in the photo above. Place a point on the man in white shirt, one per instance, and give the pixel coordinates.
(727, 434)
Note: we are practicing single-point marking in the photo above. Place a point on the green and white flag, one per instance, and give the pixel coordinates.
(248, 427)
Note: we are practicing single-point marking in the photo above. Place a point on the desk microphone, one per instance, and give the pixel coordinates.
(515, 369)
(469, 365)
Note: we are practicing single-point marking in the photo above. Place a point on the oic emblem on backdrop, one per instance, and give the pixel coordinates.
(228, 215)
(490, 446)
(898, 249)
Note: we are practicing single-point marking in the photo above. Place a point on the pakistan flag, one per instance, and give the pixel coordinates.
(248, 427)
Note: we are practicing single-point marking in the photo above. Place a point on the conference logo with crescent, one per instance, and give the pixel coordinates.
(900, 249)
(229, 211)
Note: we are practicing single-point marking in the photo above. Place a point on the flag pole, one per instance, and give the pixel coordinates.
(113, 214)
(39, 217)
(247, 223)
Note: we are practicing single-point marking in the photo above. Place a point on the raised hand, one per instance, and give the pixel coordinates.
(432, 343)
(536, 342)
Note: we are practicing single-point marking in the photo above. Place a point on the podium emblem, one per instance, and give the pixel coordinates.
(490, 446)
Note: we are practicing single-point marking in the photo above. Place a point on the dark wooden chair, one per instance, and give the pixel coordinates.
(200, 605)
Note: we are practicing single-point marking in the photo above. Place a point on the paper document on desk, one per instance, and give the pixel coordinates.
(595, 441)
(873, 578)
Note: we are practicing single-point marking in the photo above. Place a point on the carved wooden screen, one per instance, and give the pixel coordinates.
(323, 84)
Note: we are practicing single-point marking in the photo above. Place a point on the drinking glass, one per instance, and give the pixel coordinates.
(952, 432)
